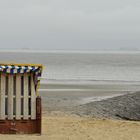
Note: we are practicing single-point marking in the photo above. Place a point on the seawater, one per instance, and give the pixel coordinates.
(81, 66)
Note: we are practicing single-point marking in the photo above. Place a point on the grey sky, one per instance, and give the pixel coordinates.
(68, 24)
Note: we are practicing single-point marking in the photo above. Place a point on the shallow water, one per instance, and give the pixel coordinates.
(83, 72)
(86, 66)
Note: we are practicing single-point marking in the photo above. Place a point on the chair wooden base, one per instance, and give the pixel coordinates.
(23, 126)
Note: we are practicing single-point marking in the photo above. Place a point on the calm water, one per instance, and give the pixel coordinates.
(88, 66)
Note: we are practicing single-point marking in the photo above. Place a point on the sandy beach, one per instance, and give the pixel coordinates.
(72, 64)
(62, 123)
(86, 97)
(60, 126)
(59, 123)
(63, 96)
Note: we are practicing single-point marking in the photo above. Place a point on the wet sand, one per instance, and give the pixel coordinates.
(64, 96)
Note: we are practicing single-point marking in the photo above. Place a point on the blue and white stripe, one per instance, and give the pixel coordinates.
(11, 69)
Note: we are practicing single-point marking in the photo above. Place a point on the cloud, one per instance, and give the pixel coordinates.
(64, 24)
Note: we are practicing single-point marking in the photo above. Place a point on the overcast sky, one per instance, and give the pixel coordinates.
(70, 24)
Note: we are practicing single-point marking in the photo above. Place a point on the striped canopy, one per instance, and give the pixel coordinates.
(21, 68)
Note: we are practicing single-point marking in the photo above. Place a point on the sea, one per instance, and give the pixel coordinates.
(118, 70)
(123, 66)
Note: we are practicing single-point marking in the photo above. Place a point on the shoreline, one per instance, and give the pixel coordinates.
(64, 96)
(124, 107)
(92, 100)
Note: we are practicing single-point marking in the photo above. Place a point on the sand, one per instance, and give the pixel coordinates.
(59, 126)
(62, 96)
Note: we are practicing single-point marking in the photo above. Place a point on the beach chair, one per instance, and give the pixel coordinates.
(20, 105)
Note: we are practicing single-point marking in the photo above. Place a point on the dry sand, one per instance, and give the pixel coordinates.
(59, 126)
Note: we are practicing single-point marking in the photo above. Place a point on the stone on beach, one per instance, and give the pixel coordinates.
(122, 107)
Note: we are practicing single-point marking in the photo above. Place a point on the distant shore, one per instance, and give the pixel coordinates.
(96, 51)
